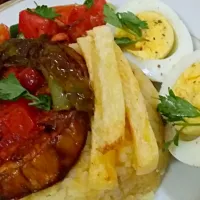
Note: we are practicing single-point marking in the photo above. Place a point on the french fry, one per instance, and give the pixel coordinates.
(86, 45)
(150, 95)
(102, 173)
(148, 90)
(151, 98)
(76, 47)
(145, 147)
(109, 97)
(108, 124)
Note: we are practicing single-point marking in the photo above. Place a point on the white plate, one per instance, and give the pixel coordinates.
(181, 182)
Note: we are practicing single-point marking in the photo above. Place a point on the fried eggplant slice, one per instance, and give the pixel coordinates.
(55, 60)
(46, 159)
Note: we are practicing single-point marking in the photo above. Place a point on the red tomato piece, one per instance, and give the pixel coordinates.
(5, 139)
(77, 14)
(31, 79)
(65, 12)
(19, 118)
(19, 122)
(4, 33)
(96, 13)
(78, 18)
(33, 26)
(99, 5)
(7, 106)
(12, 70)
(83, 19)
(78, 30)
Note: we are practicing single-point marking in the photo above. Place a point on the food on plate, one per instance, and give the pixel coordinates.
(161, 45)
(77, 120)
(108, 159)
(109, 118)
(39, 142)
(158, 39)
(180, 107)
(152, 35)
(145, 147)
(126, 21)
(38, 54)
(71, 20)
(119, 158)
(4, 33)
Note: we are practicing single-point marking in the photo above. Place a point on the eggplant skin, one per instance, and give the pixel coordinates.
(57, 60)
(3, 1)
(45, 160)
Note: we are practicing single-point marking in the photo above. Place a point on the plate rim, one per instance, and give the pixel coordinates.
(8, 4)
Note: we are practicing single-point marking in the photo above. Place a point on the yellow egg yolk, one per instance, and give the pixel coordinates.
(188, 87)
(157, 41)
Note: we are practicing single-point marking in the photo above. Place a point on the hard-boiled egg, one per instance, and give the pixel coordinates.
(165, 42)
(158, 40)
(184, 79)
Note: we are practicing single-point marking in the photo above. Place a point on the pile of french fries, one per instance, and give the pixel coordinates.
(119, 104)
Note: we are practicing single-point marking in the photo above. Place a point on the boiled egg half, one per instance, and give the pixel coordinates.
(164, 43)
(184, 80)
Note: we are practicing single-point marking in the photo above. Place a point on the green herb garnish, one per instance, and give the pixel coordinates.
(125, 20)
(44, 11)
(132, 23)
(14, 30)
(11, 89)
(175, 140)
(111, 17)
(20, 36)
(175, 110)
(112, 6)
(42, 102)
(89, 3)
(123, 41)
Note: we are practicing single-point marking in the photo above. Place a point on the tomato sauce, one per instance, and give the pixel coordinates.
(19, 122)
(73, 22)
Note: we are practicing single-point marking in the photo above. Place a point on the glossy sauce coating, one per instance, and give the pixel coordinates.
(46, 158)
(58, 60)
(38, 148)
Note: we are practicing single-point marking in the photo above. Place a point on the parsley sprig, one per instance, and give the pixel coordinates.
(88, 3)
(44, 11)
(123, 41)
(175, 110)
(127, 21)
(11, 89)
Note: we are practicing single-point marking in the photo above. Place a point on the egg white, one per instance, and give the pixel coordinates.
(156, 70)
(187, 151)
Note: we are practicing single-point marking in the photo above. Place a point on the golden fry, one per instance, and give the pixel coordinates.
(109, 116)
(109, 99)
(86, 45)
(76, 47)
(148, 90)
(145, 147)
